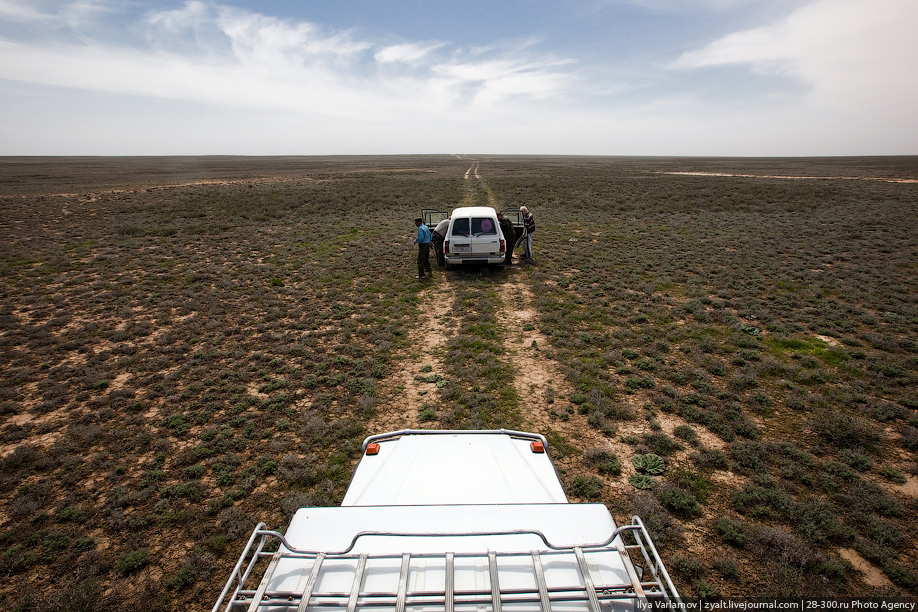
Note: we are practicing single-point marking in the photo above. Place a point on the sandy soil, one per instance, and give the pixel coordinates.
(537, 373)
(869, 573)
(402, 395)
(798, 178)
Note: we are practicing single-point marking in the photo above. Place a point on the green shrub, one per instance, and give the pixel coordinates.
(184, 578)
(133, 561)
(728, 567)
(680, 502)
(818, 521)
(661, 444)
(640, 382)
(833, 569)
(856, 460)
(189, 490)
(688, 567)
(703, 589)
(762, 502)
(845, 431)
(893, 474)
(909, 437)
(194, 472)
(70, 513)
(586, 487)
(604, 461)
(901, 577)
(426, 414)
(686, 433)
(710, 459)
(698, 484)
(18, 558)
(750, 456)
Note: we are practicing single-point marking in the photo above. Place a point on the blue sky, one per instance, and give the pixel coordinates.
(584, 77)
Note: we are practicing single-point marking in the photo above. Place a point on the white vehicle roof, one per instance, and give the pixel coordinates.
(443, 521)
(473, 211)
(454, 468)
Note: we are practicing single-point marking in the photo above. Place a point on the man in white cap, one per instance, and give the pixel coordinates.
(529, 224)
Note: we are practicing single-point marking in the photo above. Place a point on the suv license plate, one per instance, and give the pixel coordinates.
(462, 248)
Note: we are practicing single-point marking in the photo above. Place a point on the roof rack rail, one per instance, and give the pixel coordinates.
(560, 577)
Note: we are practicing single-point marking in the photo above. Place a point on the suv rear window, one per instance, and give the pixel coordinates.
(461, 227)
(483, 225)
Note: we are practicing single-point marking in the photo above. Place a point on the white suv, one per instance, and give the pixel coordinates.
(474, 237)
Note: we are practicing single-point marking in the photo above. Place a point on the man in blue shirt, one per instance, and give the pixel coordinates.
(423, 242)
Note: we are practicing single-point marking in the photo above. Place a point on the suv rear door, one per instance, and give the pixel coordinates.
(485, 236)
(475, 236)
(516, 218)
(432, 216)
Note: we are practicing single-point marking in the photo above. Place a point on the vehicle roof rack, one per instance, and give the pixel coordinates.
(593, 577)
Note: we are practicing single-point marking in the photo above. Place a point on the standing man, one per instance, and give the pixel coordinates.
(439, 235)
(529, 223)
(506, 226)
(423, 242)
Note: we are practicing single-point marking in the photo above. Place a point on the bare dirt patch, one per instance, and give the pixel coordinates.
(910, 488)
(402, 395)
(541, 386)
(871, 575)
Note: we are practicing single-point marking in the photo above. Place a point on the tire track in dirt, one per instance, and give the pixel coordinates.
(401, 395)
(492, 199)
(545, 405)
(469, 198)
(540, 383)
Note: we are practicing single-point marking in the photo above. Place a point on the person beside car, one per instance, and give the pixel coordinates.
(506, 226)
(529, 224)
(438, 236)
(423, 241)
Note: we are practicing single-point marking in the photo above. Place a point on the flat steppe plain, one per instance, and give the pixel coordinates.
(191, 345)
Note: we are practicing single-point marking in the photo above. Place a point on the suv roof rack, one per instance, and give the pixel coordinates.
(593, 577)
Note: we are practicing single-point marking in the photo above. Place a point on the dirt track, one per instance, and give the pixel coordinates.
(538, 378)
(402, 394)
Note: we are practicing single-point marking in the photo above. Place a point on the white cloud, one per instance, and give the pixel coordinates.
(499, 80)
(229, 57)
(854, 55)
(20, 11)
(259, 39)
(408, 52)
(192, 15)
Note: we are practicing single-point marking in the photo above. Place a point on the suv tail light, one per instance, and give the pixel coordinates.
(503, 246)
(446, 247)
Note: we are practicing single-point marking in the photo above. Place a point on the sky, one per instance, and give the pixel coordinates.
(357, 77)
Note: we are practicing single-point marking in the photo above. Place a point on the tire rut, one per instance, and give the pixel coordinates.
(402, 396)
(540, 383)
